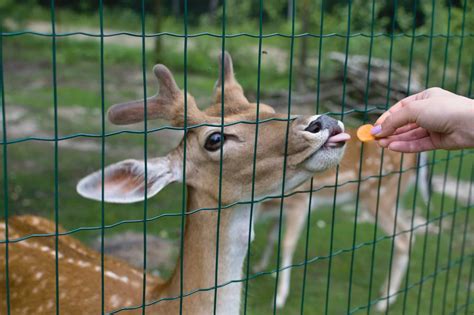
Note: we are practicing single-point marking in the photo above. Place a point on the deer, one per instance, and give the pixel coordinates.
(308, 144)
(369, 170)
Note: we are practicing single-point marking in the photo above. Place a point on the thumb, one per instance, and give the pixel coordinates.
(405, 115)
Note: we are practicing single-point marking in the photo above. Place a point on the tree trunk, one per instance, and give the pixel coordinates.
(213, 4)
(305, 11)
(158, 43)
(176, 7)
(289, 12)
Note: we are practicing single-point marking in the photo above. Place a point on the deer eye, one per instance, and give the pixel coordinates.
(214, 141)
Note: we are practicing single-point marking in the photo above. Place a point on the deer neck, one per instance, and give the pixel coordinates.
(199, 256)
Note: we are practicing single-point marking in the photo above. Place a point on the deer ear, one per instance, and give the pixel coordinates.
(124, 182)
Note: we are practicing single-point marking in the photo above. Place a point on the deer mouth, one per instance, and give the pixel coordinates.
(337, 140)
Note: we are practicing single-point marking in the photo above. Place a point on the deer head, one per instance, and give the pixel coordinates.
(314, 143)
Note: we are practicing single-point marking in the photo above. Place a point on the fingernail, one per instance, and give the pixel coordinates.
(376, 130)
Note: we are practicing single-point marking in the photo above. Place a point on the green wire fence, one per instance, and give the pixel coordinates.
(439, 277)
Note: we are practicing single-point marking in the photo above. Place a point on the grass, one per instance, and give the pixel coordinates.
(28, 85)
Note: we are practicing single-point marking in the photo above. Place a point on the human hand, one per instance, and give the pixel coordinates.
(429, 120)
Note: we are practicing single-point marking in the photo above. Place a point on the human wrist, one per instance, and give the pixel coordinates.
(466, 125)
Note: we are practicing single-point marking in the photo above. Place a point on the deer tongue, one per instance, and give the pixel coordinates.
(337, 140)
(340, 137)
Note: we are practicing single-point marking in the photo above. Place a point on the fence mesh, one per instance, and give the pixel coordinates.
(337, 268)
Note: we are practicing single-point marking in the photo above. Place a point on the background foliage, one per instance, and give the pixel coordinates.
(27, 68)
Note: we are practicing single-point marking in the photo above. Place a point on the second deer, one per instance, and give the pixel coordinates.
(364, 173)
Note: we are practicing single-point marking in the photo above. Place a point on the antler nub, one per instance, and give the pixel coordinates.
(168, 86)
(233, 92)
(228, 69)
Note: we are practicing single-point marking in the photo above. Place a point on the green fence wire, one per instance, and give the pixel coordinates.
(456, 274)
(5, 178)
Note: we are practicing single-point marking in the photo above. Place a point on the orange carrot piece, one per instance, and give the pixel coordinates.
(363, 133)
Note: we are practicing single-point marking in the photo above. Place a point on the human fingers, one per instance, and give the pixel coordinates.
(411, 135)
(409, 114)
(405, 128)
(399, 105)
(423, 144)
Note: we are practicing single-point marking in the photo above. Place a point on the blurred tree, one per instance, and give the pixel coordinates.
(289, 10)
(213, 6)
(276, 12)
(176, 7)
(454, 3)
(387, 13)
(158, 39)
(305, 12)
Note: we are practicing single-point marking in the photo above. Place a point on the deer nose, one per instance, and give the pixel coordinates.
(324, 122)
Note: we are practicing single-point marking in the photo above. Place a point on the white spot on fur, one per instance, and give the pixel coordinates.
(114, 276)
(136, 272)
(35, 221)
(45, 248)
(50, 304)
(115, 301)
(38, 275)
(83, 264)
(77, 248)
